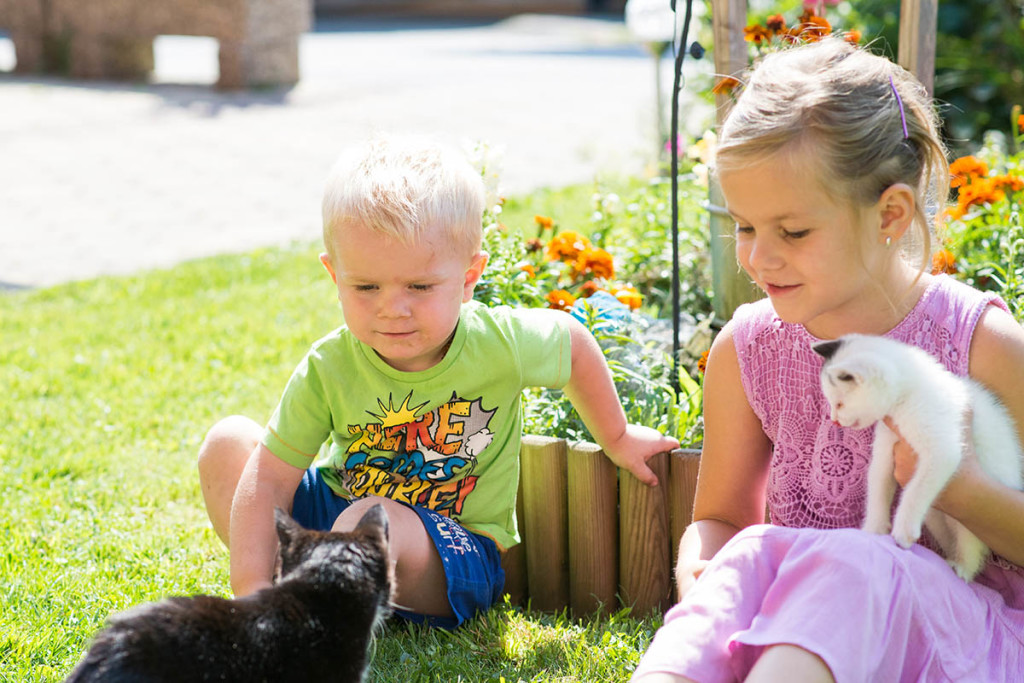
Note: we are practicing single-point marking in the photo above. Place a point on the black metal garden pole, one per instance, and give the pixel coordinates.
(679, 50)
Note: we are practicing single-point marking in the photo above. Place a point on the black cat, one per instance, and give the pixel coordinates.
(315, 624)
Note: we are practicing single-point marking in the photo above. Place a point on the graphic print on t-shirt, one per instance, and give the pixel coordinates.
(425, 460)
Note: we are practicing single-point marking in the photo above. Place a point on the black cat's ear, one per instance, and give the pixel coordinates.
(375, 522)
(827, 349)
(287, 528)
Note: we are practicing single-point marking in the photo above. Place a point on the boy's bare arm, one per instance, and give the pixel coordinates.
(266, 482)
(592, 393)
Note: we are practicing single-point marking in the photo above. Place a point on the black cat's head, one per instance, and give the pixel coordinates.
(355, 560)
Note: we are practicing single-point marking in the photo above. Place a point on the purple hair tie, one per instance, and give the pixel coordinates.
(899, 101)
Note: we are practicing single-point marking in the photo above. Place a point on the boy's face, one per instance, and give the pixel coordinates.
(402, 300)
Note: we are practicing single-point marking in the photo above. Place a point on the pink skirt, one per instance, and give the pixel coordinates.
(871, 610)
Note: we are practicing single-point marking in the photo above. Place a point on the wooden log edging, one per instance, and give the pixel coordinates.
(594, 537)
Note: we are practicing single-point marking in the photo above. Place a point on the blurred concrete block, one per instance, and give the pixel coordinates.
(113, 39)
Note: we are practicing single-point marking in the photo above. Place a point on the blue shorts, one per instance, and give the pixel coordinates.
(472, 563)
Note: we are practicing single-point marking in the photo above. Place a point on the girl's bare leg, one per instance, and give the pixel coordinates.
(660, 678)
(789, 663)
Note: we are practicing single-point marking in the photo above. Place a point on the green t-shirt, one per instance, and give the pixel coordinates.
(446, 438)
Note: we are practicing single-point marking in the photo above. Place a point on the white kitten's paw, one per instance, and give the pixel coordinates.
(905, 534)
(876, 524)
(963, 571)
(968, 559)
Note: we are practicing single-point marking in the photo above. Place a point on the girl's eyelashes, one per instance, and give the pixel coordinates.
(742, 229)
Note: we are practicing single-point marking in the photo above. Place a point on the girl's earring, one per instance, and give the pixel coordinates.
(888, 240)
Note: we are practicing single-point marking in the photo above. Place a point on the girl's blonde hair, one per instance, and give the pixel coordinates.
(840, 104)
(401, 186)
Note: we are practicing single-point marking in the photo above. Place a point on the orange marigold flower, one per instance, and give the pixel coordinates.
(560, 300)
(702, 362)
(725, 85)
(566, 246)
(965, 169)
(529, 269)
(588, 289)
(943, 261)
(852, 36)
(1009, 182)
(629, 296)
(814, 29)
(775, 24)
(1020, 123)
(595, 262)
(756, 34)
(980, 191)
(544, 222)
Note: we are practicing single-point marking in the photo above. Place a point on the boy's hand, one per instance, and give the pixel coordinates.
(634, 448)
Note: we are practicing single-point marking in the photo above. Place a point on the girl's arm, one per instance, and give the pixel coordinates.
(592, 393)
(993, 511)
(733, 466)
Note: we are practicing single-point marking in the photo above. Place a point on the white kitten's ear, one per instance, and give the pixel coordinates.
(827, 349)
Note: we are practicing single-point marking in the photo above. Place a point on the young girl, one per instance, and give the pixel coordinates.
(832, 168)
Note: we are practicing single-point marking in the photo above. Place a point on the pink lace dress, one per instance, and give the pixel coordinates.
(870, 609)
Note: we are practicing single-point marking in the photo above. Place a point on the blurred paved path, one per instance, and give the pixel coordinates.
(97, 178)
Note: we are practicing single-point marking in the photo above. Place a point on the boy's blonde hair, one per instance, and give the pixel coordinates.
(401, 186)
(837, 102)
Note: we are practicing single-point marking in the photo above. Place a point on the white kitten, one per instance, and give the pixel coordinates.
(867, 378)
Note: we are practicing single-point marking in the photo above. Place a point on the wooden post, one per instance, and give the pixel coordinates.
(731, 285)
(918, 25)
(682, 467)
(593, 529)
(644, 554)
(545, 526)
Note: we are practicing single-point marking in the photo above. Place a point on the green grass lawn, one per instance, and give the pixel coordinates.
(108, 388)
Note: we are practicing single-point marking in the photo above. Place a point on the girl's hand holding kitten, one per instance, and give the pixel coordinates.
(905, 464)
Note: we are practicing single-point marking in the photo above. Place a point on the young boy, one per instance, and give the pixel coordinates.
(418, 394)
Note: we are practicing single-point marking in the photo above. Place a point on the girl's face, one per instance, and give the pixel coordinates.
(402, 300)
(822, 265)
